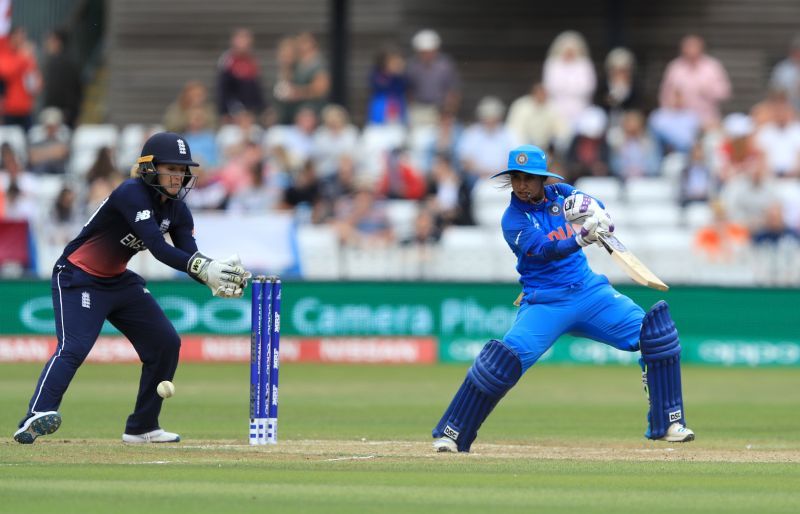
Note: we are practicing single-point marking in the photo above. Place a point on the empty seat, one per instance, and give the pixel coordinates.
(402, 214)
(650, 189)
(650, 215)
(605, 189)
(318, 252)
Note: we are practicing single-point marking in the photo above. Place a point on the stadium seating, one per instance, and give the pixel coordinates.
(86, 142)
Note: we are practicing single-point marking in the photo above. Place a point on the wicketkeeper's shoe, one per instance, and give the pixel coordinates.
(445, 444)
(677, 433)
(154, 436)
(41, 423)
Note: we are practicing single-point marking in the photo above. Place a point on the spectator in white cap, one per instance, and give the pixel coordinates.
(49, 143)
(484, 146)
(738, 153)
(433, 81)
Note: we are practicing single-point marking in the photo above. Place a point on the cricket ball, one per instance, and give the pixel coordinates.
(165, 389)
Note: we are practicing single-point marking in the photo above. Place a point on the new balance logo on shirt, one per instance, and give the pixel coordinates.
(142, 215)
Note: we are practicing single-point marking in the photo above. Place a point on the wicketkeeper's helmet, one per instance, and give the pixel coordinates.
(166, 148)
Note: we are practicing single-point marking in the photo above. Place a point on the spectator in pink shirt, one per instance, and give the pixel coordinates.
(701, 78)
(569, 76)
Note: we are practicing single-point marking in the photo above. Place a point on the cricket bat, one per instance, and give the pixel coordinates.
(630, 264)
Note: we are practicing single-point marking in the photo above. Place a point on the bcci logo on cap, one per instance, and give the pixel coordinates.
(522, 159)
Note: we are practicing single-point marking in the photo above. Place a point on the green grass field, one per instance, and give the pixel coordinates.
(356, 439)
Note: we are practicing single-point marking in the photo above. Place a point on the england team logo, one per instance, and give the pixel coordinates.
(181, 147)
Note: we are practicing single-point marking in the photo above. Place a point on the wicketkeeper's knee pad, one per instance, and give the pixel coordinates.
(661, 363)
(495, 370)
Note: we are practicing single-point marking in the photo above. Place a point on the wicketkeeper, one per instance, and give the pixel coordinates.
(91, 284)
(561, 294)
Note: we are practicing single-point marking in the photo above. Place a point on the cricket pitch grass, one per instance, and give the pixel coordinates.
(356, 439)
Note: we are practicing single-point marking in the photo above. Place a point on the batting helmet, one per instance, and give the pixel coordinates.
(528, 159)
(166, 148)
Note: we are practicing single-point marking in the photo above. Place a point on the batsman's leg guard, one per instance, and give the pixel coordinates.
(661, 364)
(494, 372)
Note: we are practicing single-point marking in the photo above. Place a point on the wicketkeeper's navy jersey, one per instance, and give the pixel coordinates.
(132, 219)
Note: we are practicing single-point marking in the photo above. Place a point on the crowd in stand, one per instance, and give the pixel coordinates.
(271, 140)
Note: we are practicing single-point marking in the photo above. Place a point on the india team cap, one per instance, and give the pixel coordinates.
(167, 148)
(528, 159)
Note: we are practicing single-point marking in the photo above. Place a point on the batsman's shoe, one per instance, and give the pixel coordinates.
(445, 444)
(677, 433)
(41, 423)
(154, 436)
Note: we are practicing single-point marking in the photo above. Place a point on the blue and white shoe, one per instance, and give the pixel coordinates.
(41, 423)
(154, 436)
(677, 433)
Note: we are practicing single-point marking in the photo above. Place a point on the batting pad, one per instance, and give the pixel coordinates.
(661, 354)
(495, 370)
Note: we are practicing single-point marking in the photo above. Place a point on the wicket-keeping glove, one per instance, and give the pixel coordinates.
(222, 277)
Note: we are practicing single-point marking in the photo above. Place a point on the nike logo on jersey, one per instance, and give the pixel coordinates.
(516, 241)
(142, 215)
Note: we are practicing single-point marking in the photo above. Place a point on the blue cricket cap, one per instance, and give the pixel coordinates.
(528, 159)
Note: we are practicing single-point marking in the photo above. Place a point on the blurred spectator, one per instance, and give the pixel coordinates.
(20, 73)
(11, 170)
(400, 179)
(335, 138)
(64, 220)
(362, 221)
(434, 85)
(388, 85)
(426, 230)
(49, 147)
(533, 120)
(341, 185)
(569, 76)
(588, 154)
(445, 140)
(751, 198)
(738, 153)
(779, 140)
(237, 174)
(304, 194)
(786, 74)
(63, 86)
(261, 193)
(202, 139)
(484, 146)
(238, 77)
(286, 58)
(618, 91)
(764, 111)
(450, 200)
(19, 205)
(309, 84)
(299, 138)
(701, 79)
(103, 168)
(234, 136)
(721, 239)
(193, 96)
(633, 151)
(674, 126)
(697, 182)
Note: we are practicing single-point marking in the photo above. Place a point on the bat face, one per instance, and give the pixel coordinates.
(630, 264)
